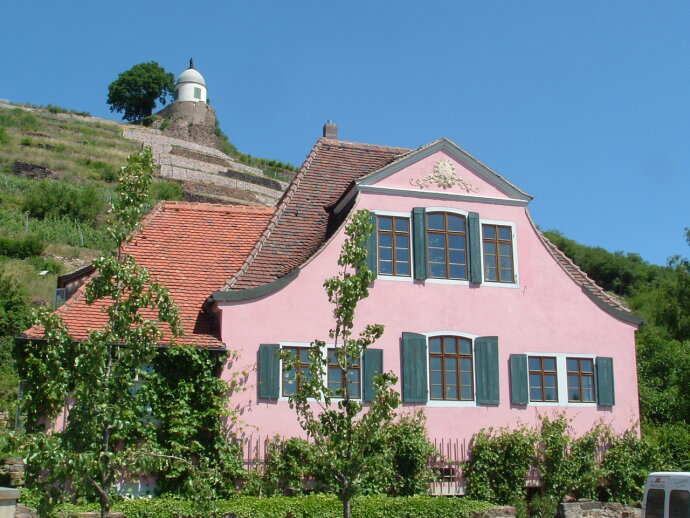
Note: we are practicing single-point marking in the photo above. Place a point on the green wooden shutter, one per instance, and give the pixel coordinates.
(519, 390)
(605, 392)
(475, 241)
(372, 261)
(414, 368)
(486, 370)
(419, 241)
(373, 366)
(269, 371)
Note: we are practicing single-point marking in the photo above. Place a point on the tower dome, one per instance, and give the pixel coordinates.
(190, 86)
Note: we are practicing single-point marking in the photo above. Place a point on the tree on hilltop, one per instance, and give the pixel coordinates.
(136, 90)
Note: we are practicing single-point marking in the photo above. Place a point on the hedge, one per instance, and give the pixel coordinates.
(21, 248)
(312, 506)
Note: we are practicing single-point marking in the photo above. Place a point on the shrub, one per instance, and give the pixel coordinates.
(105, 171)
(52, 198)
(411, 453)
(22, 247)
(288, 464)
(626, 464)
(163, 190)
(5, 137)
(312, 506)
(499, 463)
(46, 264)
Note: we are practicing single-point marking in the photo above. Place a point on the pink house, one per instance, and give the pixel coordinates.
(487, 324)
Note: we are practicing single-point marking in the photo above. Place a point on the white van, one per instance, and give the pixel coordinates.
(666, 495)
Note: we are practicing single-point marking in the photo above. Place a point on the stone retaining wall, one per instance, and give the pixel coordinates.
(590, 509)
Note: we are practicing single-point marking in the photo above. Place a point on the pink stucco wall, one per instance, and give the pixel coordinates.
(545, 312)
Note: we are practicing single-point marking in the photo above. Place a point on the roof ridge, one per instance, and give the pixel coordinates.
(216, 206)
(280, 210)
(364, 145)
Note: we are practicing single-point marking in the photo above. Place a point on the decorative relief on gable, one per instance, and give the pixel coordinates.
(444, 176)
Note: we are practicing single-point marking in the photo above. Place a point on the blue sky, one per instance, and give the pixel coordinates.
(583, 104)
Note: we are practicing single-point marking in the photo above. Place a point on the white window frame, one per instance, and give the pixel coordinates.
(562, 380)
(443, 403)
(324, 350)
(516, 272)
(385, 276)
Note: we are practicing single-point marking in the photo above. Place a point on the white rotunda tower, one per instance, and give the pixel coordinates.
(190, 86)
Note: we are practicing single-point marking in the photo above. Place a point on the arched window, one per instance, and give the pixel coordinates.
(446, 245)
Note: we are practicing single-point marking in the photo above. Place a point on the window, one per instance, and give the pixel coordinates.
(580, 380)
(450, 368)
(678, 504)
(446, 245)
(289, 376)
(497, 241)
(394, 246)
(543, 384)
(655, 503)
(197, 92)
(337, 378)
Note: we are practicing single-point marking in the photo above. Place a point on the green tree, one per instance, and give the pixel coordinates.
(136, 90)
(14, 318)
(674, 303)
(348, 440)
(99, 438)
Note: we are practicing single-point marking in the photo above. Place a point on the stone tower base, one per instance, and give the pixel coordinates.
(188, 120)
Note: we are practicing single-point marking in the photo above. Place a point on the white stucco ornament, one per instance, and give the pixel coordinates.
(444, 176)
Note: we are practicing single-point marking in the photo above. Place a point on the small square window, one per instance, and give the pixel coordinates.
(197, 92)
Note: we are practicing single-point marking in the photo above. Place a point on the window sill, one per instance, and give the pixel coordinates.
(439, 403)
(559, 404)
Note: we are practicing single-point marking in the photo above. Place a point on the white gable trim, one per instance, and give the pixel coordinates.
(416, 193)
(459, 155)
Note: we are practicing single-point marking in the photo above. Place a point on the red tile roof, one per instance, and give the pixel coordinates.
(192, 248)
(300, 224)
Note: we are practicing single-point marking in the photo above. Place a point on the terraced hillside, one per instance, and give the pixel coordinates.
(57, 176)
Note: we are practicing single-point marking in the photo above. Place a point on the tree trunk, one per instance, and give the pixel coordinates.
(346, 508)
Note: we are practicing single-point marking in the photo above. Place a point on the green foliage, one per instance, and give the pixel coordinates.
(5, 137)
(292, 466)
(104, 170)
(312, 506)
(189, 401)
(136, 90)
(663, 377)
(163, 190)
(673, 440)
(499, 463)
(288, 464)
(56, 199)
(57, 109)
(627, 462)
(21, 119)
(411, 449)
(14, 318)
(41, 263)
(673, 311)
(99, 438)
(22, 247)
(347, 440)
(623, 274)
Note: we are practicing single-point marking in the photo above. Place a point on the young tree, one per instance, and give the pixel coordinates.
(136, 90)
(92, 380)
(347, 437)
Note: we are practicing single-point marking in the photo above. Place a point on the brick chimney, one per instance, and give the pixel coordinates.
(330, 130)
